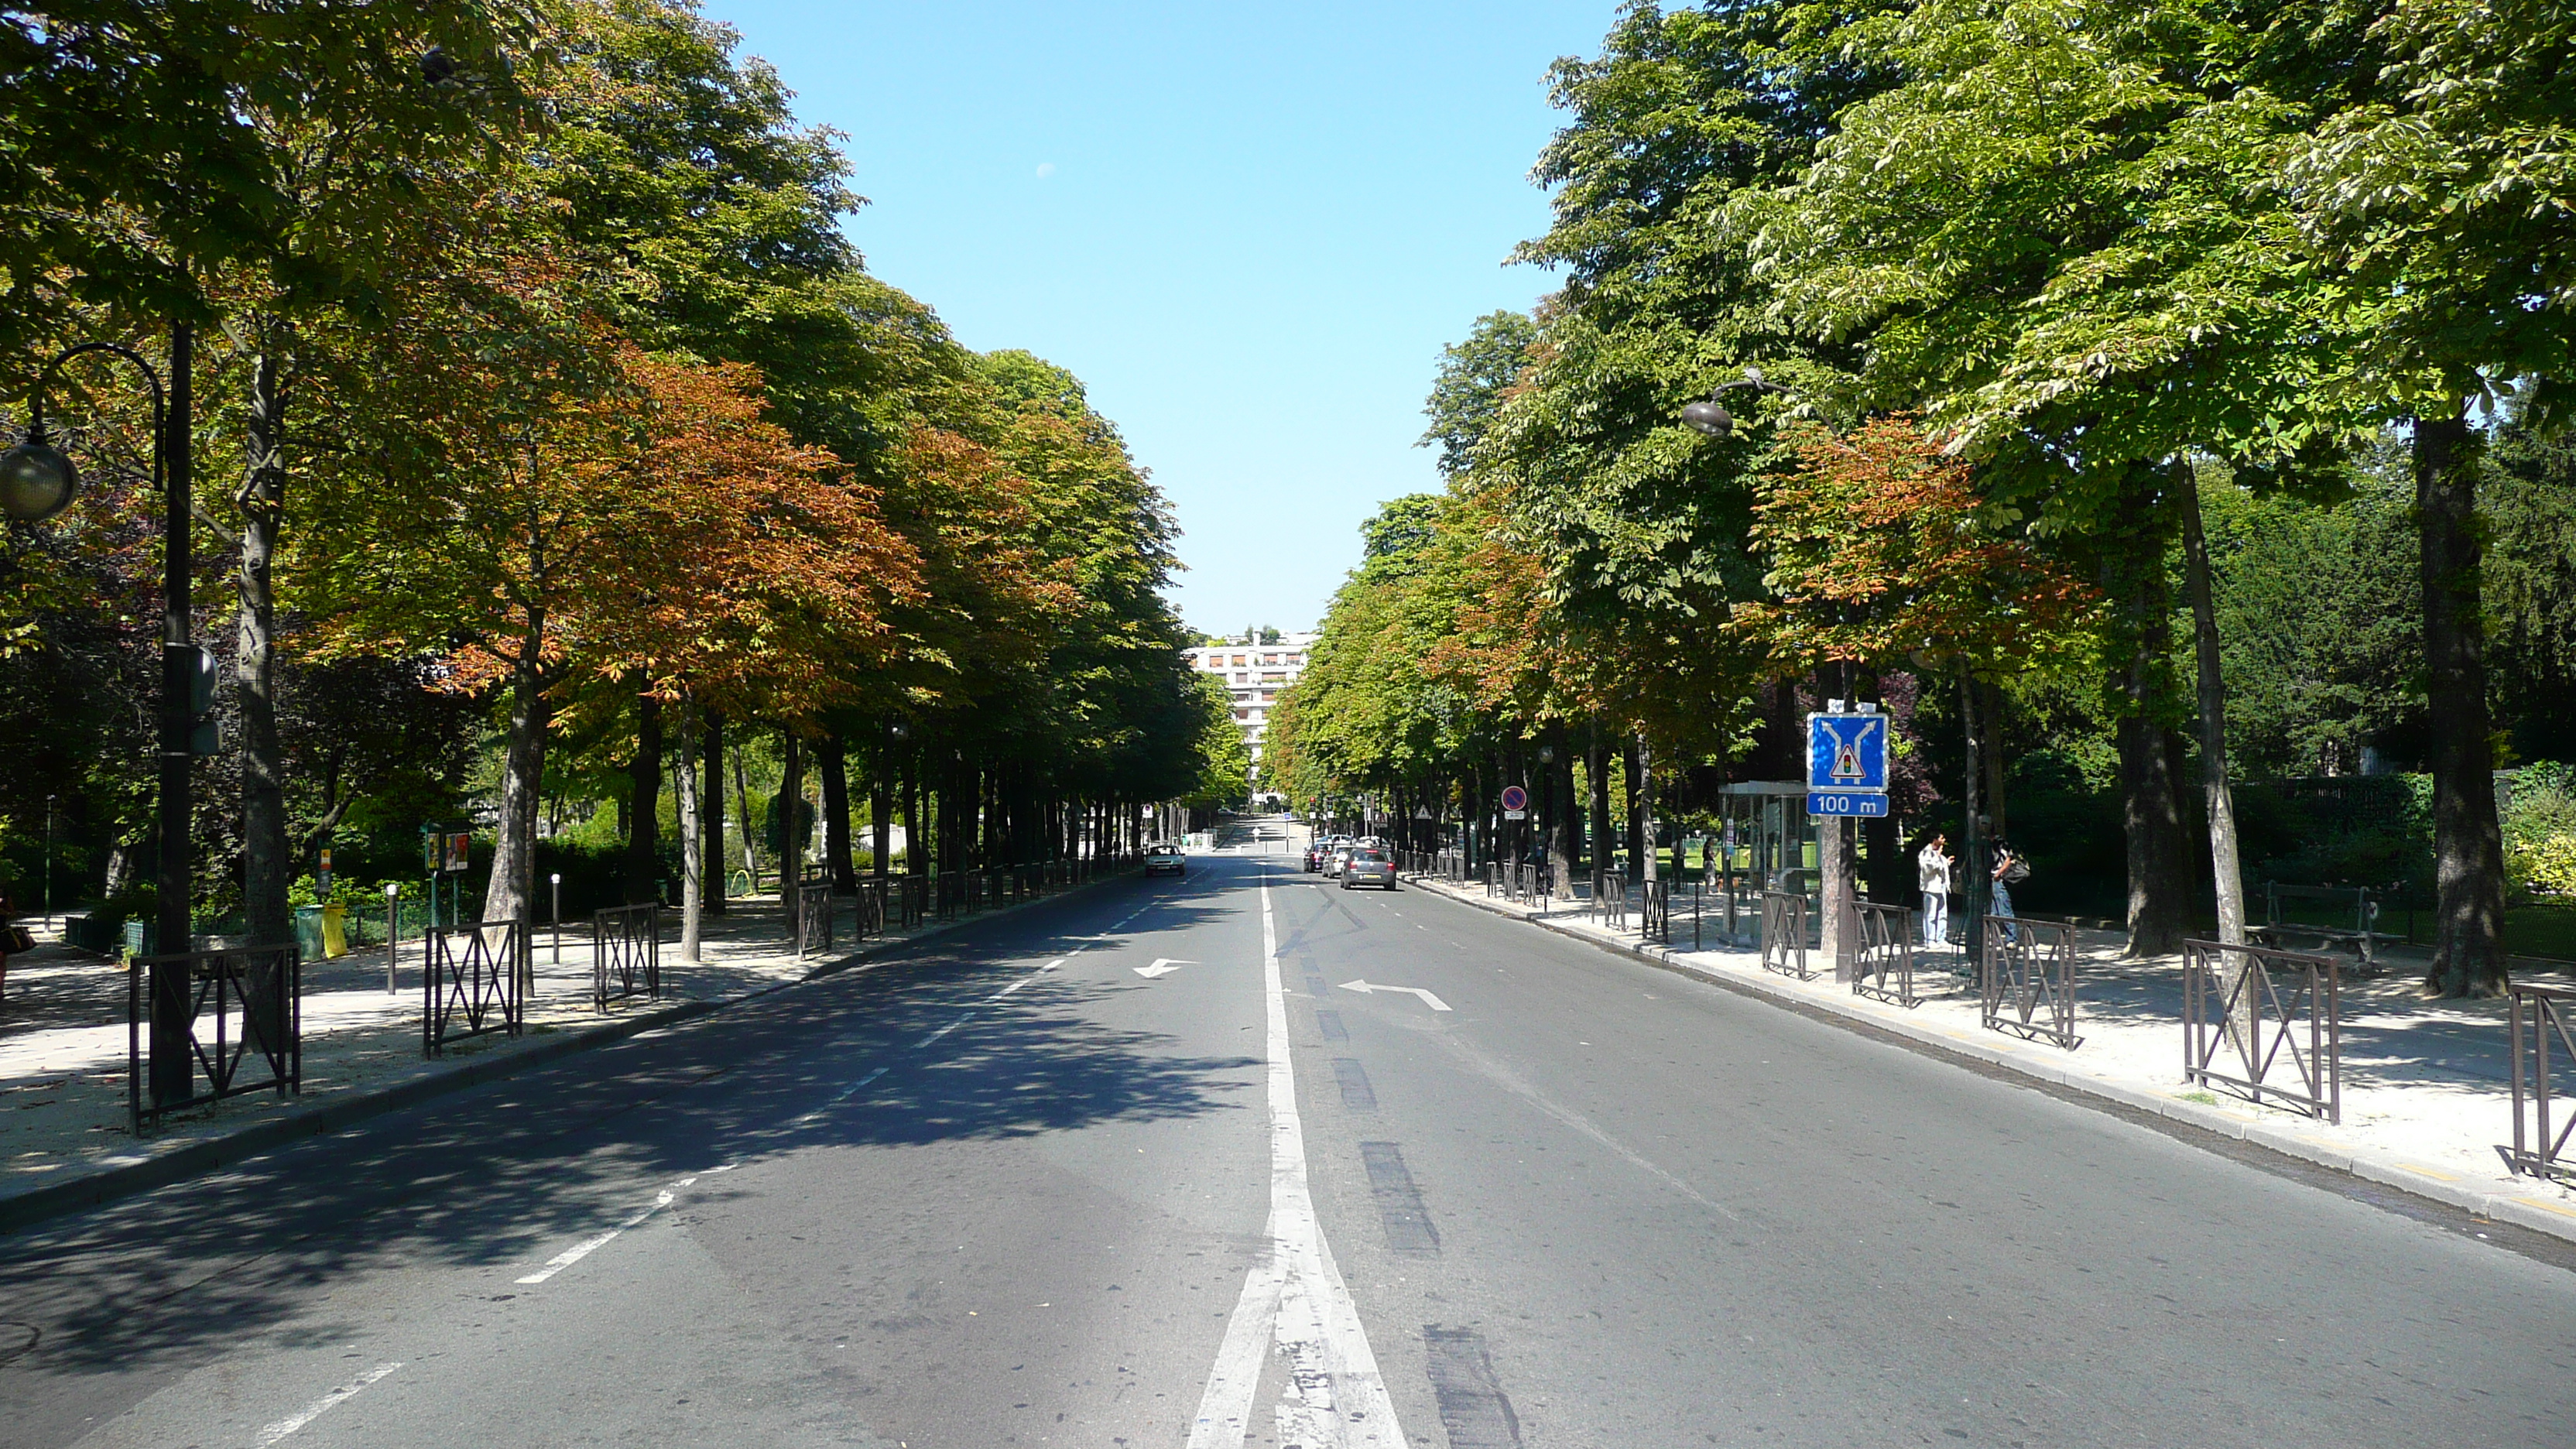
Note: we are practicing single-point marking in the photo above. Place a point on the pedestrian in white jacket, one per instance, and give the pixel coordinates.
(1934, 860)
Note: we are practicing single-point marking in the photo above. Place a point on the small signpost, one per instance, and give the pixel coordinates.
(1515, 803)
(1846, 780)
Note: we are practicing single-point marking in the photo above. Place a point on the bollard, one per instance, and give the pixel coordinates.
(555, 879)
(393, 931)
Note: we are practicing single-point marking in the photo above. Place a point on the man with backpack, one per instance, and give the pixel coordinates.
(2010, 870)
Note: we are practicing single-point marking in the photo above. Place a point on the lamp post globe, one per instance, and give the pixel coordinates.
(36, 482)
(1708, 417)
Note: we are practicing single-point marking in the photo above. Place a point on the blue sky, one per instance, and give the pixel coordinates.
(1248, 229)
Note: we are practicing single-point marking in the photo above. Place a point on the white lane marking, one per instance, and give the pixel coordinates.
(1429, 1000)
(838, 1097)
(943, 1031)
(323, 1405)
(1163, 966)
(1225, 1410)
(1337, 1397)
(588, 1246)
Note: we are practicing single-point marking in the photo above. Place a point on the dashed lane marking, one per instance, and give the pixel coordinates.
(325, 1404)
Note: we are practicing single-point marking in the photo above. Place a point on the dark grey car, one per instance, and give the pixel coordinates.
(1369, 867)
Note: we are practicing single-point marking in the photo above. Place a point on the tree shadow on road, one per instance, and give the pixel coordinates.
(506, 1174)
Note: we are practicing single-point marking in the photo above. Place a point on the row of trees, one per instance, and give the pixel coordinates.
(2024, 277)
(548, 398)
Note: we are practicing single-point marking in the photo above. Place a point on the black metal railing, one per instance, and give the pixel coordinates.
(2539, 1082)
(625, 953)
(475, 983)
(813, 923)
(1610, 899)
(1784, 934)
(245, 1009)
(1655, 917)
(2027, 980)
(2253, 1026)
(1883, 964)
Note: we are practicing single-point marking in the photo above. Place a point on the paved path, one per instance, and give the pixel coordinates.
(1141, 1167)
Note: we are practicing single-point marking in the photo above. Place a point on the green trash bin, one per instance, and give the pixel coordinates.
(308, 931)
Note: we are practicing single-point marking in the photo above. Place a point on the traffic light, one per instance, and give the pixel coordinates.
(203, 737)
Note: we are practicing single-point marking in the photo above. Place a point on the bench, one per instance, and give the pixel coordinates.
(2359, 938)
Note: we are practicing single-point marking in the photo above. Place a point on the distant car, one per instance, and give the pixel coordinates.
(1338, 857)
(1161, 859)
(1369, 867)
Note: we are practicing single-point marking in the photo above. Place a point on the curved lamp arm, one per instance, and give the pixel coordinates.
(1711, 417)
(36, 480)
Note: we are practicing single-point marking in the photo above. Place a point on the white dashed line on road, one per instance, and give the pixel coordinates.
(588, 1246)
(325, 1404)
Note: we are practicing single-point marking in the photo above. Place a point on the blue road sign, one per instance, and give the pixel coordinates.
(1853, 803)
(1847, 752)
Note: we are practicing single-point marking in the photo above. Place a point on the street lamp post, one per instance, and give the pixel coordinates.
(36, 482)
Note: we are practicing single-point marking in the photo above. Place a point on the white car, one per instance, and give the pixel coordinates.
(1164, 859)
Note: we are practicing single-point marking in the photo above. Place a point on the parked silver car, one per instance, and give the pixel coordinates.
(1369, 867)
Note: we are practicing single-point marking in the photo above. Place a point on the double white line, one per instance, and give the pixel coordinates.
(1296, 1298)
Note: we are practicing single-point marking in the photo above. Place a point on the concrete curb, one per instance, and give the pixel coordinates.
(26, 1209)
(2553, 1219)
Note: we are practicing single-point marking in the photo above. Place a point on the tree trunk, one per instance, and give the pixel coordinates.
(2228, 878)
(1785, 745)
(1990, 704)
(1976, 850)
(1596, 772)
(511, 888)
(711, 871)
(1561, 842)
(1636, 804)
(2151, 809)
(791, 795)
(742, 806)
(1643, 788)
(1882, 848)
(692, 838)
(913, 857)
(267, 858)
(644, 801)
(880, 813)
(834, 759)
(2468, 848)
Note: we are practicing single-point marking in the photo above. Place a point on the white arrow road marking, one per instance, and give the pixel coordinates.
(323, 1405)
(1163, 966)
(1336, 1396)
(1429, 1000)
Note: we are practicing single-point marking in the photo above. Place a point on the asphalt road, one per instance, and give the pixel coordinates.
(1139, 1168)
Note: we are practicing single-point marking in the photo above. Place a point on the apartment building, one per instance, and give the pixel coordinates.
(1256, 674)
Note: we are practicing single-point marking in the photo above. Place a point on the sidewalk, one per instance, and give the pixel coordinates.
(63, 1038)
(2426, 1083)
